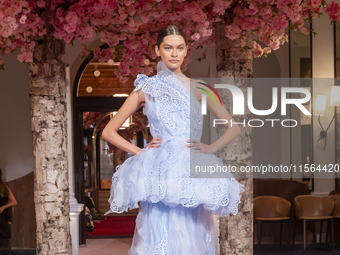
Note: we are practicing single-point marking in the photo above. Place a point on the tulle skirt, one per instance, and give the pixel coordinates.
(164, 230)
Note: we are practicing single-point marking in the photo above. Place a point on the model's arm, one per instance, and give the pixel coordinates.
(131, 104)
(221, 113)
(12, 201)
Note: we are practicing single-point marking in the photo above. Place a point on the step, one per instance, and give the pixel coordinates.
(104, 191)
(103, 205)
(123, 214)
(103, 200)
(133, 212)
(104, 194)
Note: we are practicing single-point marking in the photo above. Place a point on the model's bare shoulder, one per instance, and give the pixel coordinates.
(141, 98)
(195, 81)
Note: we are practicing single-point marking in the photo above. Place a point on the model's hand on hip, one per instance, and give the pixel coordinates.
(155, 143)
(199, 147)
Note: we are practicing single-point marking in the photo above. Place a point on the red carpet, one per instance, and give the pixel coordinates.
(114, 226)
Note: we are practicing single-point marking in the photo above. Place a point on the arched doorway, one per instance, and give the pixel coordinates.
(97, 95)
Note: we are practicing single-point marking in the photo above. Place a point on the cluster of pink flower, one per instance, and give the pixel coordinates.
(92, 119)
(268, 19)
(18, 25)
(333, 10)
(135, 23)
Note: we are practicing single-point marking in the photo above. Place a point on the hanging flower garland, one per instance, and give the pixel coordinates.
(135, 23)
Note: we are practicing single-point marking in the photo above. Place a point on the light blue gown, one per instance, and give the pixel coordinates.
(176, 207)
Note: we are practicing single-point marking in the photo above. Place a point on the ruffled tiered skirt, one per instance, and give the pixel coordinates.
(165, 175)
(177, 211)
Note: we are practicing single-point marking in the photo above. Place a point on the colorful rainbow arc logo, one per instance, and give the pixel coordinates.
(209, 92)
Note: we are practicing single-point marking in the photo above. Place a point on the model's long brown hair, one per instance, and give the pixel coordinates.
(3, 187)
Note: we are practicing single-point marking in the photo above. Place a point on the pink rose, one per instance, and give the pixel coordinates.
(41, 3)
(195, 37)
(267, 50)
(304, 30)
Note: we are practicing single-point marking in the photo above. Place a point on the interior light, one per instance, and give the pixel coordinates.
(89, 89)
(96, 73)
(320, 105)
(335, 96)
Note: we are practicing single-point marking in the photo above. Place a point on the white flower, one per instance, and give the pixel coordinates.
(23, 18)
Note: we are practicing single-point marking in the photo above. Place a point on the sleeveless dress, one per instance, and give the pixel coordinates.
(5, 230)
(177, 205)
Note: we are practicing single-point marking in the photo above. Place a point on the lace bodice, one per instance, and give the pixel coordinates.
(170, 105)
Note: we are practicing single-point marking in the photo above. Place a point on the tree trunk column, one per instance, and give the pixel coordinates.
(49, 130)
(236, 232)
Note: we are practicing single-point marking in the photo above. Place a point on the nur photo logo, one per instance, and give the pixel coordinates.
(238, 103)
